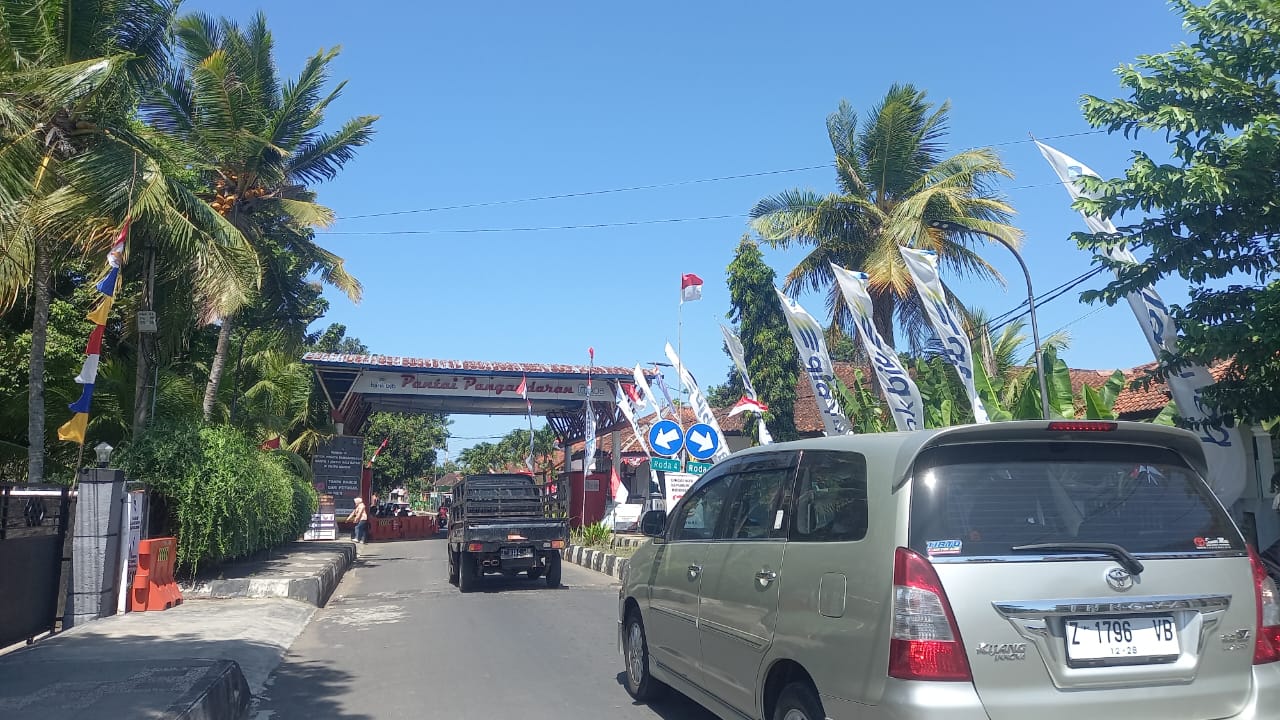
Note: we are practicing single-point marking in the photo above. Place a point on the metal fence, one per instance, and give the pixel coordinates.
(33, 531)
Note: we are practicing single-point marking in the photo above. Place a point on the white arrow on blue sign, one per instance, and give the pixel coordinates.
(702, 441)
(666, 438)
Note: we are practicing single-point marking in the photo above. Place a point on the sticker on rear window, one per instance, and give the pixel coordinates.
(1212, 543)
(942, 547)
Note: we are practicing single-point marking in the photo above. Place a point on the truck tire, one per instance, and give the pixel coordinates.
(453, 568)
(553, 570)
(467, 575)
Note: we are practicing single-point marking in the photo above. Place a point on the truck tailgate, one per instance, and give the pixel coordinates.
(515, 531)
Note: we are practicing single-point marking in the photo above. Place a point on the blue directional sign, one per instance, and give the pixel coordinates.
(702, 441)
(666, 438)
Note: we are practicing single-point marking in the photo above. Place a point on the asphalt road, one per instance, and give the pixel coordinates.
(398, 641)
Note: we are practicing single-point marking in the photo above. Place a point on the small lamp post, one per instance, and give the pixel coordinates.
(1031, 305)
(103, 451)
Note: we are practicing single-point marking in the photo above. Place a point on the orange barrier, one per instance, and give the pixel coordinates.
(153, 584)
(413, 527)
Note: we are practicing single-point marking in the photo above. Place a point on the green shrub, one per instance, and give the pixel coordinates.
(221, 496)
(597, 534)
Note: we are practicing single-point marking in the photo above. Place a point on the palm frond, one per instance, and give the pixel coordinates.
(323, 156)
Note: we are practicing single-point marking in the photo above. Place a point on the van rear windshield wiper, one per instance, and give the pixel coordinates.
(1126, 559)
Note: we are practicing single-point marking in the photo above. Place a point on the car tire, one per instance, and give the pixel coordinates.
(553, 570)
(453, 568)
(641, 685)
(467, 575)
(798, 701)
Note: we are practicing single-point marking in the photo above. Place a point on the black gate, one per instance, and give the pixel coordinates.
(33, 530)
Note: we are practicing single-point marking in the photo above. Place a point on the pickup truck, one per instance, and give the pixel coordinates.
(504, 524)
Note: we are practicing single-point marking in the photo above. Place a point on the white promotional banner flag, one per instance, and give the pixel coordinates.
(701, 408)
(899, 389)
(1223, 447)
(589, 445)
(923, 266)
(624, 404)
(644, 393)
(815, 361)
(740, 360)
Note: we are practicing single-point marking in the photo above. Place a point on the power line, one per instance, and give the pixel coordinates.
(671, 184)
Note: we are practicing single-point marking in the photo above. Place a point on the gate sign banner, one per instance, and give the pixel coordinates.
(336, 465)
(464, 384)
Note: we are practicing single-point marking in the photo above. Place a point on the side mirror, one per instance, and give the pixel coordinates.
(654, 523)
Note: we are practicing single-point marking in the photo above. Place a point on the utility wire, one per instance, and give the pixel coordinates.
(660, 186)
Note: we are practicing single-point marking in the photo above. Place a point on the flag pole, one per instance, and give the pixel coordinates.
(679, 410)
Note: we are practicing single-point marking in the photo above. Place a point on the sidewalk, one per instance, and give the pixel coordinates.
(203, 659)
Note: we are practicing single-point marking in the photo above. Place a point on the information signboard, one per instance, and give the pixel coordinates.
(336, 465)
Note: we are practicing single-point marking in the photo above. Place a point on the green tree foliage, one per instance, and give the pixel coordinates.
(1210, 216)
(509, 453)
(770, 352)
(222, 496)
(409, 458)
(333, 339)
(894, 185)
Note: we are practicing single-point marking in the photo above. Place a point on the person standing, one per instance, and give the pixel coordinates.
(360, 516)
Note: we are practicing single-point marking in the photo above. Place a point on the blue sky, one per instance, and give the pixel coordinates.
(484, 102)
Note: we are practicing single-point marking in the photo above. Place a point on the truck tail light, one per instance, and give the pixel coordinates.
(475, 547)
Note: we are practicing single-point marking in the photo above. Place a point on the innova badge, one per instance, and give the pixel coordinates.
(1119, 579)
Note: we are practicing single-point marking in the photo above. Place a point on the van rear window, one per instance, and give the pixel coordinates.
(983, 499)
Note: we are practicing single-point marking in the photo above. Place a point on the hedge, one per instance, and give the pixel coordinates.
(222, 496)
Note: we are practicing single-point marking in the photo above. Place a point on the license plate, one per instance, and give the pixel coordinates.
(516, 553)
(1126, 639)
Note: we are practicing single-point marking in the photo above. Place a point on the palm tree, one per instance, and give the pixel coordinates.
(74, 161)
(893, 183)
(262, 144)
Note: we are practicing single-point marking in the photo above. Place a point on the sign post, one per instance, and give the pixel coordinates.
(702, 442)
(666, 438)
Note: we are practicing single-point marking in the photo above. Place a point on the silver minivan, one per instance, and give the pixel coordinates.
(1005, 571)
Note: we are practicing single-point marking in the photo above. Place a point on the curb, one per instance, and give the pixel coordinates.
(597, 560)
(313, 589)
(223, 696)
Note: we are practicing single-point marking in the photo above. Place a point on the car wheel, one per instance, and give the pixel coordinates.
(453, 568)
(798, 701)
(467, 575)
(635, 652)
(553, 570)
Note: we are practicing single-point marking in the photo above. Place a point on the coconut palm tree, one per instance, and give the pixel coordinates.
(262, 143)
(894, 182)
(74, 161)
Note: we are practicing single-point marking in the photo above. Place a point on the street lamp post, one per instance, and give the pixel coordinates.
(1031, 306)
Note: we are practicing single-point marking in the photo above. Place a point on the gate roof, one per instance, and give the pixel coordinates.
(357, 385)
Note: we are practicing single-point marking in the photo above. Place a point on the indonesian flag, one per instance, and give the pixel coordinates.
(115, 258)
(619, 491)
(690, 288)
(746, 404)
(523, 388)
(379, 450)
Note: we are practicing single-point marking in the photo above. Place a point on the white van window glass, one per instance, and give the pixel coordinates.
(698, 516)
(757, 499)
(831, 497)
(983, 500)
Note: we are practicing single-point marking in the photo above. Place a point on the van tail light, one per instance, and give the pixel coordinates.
(926, 643)
(1082, 426)
(1267, 647)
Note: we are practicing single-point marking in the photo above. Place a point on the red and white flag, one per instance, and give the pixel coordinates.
(618, 490)
(378, 452)
(747, 404)
(690, 288)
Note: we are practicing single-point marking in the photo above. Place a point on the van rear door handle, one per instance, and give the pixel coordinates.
(766, 576)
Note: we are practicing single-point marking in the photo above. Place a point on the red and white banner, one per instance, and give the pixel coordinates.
(690, 288)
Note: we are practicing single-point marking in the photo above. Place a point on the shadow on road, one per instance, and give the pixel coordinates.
(673, 705)
(305, 690)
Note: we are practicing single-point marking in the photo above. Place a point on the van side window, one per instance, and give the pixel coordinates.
(831, 497)
(756, 511)
(697, 517)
